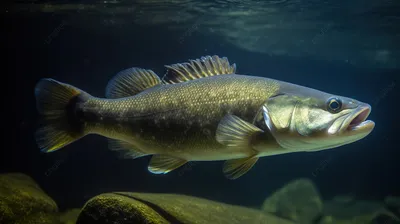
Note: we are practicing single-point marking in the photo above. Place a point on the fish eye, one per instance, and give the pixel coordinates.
(334, 105)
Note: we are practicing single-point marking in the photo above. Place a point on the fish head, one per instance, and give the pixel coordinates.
(311, 120)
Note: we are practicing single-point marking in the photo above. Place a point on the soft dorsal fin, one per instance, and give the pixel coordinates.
(130, 82)
(199, 68)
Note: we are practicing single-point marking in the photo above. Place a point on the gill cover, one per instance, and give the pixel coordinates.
(302, 123)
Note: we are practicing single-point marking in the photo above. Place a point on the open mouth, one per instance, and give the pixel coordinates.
(359, 120)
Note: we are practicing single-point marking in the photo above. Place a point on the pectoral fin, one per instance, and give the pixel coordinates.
(160, 164)
(235, 168)
(235, 132)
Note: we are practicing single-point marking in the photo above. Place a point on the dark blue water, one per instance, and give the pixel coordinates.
(86, 48)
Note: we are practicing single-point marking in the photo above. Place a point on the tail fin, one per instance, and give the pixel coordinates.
(62, 123)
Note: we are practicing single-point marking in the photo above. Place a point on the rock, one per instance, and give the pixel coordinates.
(40, 218)
(21, 197)
(344, 198)
(70, 216)
(354, 212)
(167, 208)
(358, 220)
(393, 203)
(384, 219)
(299, 201)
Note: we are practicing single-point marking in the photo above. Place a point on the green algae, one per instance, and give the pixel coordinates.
(22, 201)
(149, 208)
(20, 196)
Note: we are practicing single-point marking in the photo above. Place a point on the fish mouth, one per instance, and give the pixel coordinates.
(357, 121)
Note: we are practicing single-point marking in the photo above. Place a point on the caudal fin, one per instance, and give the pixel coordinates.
(62, 122)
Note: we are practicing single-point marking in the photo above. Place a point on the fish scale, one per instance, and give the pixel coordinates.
(200, 111)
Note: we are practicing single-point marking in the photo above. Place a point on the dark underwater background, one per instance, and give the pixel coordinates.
(349, 48)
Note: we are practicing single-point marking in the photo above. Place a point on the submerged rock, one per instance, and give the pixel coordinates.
(299, 201)
(22, 201)
(70, 216)
(393, 203)
(356, 212)
(150, 208)
(343, 198)
(40, 218)
(21, 197)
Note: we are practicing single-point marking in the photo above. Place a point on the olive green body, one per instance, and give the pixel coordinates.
(201, 111)
(181, 119)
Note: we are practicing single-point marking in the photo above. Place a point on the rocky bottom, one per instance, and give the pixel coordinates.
(22, 201)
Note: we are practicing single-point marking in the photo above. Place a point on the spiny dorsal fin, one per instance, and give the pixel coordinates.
(199, 68)
(130, 82)
(126, 150)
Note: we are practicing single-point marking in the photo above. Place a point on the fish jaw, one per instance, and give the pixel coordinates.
(355, 127)
(357, 123)
(304, 125)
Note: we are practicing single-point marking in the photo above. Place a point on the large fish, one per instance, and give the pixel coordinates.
(200, 111)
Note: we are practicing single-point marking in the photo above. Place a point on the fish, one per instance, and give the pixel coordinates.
(200, 110)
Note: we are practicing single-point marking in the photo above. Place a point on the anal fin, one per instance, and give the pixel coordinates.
(125, 149)
(235, 168)
(161, 164)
